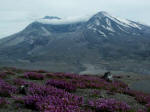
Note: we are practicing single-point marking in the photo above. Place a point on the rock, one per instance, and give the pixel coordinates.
(128, 76)
(118, 77)
(23, 89)
(107, 76)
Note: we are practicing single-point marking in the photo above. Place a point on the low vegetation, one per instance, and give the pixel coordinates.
(65, 92)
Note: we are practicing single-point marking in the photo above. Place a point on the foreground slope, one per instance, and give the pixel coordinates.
(39, 91)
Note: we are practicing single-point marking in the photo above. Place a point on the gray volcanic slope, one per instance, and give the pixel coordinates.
(102, 43)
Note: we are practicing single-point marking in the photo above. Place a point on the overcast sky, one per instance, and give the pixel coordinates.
(15, 15)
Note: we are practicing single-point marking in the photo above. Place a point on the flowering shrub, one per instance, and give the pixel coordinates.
(6, 90)
(117, 87)
(19, 100)
(109, 105)
(34, 76)
(3, 75)
(19, 82)
(41, 71)
(50, 75)
(87, 81)
(139, 96)
(51, 99)
(120, 84)
(9, 72)
(142, 98)
(148, 107)
(68, 86)
(140, 110)
(51, 103)
(58, 75)
(3, 102)
(95, 93)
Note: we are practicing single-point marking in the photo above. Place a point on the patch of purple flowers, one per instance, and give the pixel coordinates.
(34, 76)
(109, 105)
(3, 75)
(148, 106)
(19, 82)
(3, 102)
(51, 99)
(62, 84)
(6, 90)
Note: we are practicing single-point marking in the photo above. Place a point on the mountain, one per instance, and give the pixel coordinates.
(51, 17)
(101, 43)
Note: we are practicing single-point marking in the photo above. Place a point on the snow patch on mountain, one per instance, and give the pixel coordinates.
(129, 23)
(108, 22)
(97, 22)
(47, 33)
(110, 29)
(102, 33)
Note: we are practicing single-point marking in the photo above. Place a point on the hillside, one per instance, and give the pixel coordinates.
(66, 92)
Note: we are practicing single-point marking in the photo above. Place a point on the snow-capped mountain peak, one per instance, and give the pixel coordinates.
(102, 14)
(108, 18)
(108, 25)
